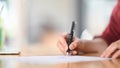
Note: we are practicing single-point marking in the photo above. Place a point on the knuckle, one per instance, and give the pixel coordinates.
(71, 47)
(114, 44)
(73, 44)
(119, 52)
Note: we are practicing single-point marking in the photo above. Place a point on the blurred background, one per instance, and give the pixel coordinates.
(28, 21)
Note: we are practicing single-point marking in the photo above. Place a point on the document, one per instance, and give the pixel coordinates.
(54, 59)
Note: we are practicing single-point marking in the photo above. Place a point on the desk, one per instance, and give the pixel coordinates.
(51, 49)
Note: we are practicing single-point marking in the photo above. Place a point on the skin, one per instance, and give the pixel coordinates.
(113, 50)
(89, 46)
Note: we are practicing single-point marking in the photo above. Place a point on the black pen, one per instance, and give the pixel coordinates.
(70, 37)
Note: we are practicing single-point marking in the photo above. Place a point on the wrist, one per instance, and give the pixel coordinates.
(81, 45)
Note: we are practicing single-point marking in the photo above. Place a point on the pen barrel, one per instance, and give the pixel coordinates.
(69, 41)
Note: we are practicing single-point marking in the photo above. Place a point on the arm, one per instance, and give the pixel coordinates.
(96, 45)
(77, 46)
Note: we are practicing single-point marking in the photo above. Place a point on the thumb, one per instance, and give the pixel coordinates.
(73, 45)
(77, 44)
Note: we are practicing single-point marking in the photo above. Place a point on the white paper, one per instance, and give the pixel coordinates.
(54, 59)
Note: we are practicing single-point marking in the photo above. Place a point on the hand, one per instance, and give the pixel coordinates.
(75, 46)
(112, 51)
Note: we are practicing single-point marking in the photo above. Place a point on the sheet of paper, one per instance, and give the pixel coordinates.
(54, 59)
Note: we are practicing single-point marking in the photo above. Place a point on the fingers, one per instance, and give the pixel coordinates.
(62, 44)
(61, 48)
(73, 46)
(77, 44)
(116, 54)
(73, 52)
(108, 52)
(112, 51)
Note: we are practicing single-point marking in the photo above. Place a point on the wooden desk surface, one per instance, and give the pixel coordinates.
(8, 63)
(49, 48)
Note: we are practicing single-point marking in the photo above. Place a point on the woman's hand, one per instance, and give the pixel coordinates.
(113, 51)
(75, 46)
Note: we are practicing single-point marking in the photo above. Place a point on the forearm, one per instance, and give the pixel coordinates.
(96, 45)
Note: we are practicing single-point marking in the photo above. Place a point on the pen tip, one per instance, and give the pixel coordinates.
(67, 54)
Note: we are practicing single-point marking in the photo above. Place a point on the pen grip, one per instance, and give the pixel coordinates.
(69, 39)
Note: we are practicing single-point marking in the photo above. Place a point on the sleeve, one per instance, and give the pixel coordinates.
(112, 32)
